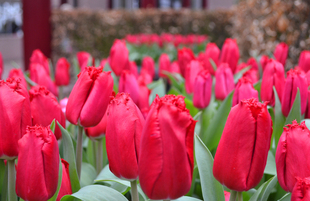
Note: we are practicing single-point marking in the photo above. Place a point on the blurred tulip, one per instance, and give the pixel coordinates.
(273, 75)
(252, 75)
(38, 57)
(123, 139)
(294, 79)
(230, 54)
(45, 108)
(62, 74)
(119, 57)
(201, 58)
(18, 74)
(84, 59)
(38, 164)
(175, 68)
(202, 90)
(185, 56)
(224, 81)
(103, 62)
(65, 188)
(129, 84)
(244, 90)
(99, 130)
(304, 60)
(263, 61)
(15, 116)
(281, 52)
(144, 93)
(301, 190)
(192, 70)
(166, 158)
(212, 52)
(241, 155)
(292, 158)
(63, 104)
(252, 63)
(164, 64)
(148, 65)
(91, 92)
(145, 77)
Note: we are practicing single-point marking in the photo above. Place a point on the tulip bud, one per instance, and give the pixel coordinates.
(148, 65)
(294, 79)
(45, 108)
(91, 92)
(241, 156)
(164, 64)
(145, 77)
(38, 164)
(244, 90)
(281, 52)
(144, 93)
(119, 57)
(18, 74)
(292, 158)
(175, 68)
(230, 53)
(252, 74)
(15, 116)
(304, 60)
(202, 90)
(133, 68)
(1, 65)
(185, 56)
(273, 75)
(263, 61)
(252, 63)
(129, 84)
(62, 75)
(212, 52)
(224, 81)
(123, 140)
(38, 57)
(99, 130)
(201, 58)
(65, 187)
(39, 76)
(192, 70)
(301, 190)
(166, 158)
(84, 59)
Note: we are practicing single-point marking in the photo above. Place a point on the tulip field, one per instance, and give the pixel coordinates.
(164, 117)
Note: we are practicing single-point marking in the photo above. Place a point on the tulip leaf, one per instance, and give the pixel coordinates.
(69, 156)
(257, 86)
(213, 64)
(96, 193)
(88, 174)
(59, 182)
(176, 80)
(286, 197)
(52, 126)
(205, 120)
(51, 69)
(187, 198)
(29, 81)
(264, 190)
(238, 75)
(91, 152)
(157, 88)
(212, 190)
(271, 165)
(190, 106)
(4, 180)
(217, 123)
(279, 119)
(295, 112)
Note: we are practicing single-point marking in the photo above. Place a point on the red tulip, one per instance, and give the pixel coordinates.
(185, 56)
(281, 52)
(18, 74)
(292, 158)
(202, 90)
(252, 63)
(15, 116)
(99, 130)
(62, 74)
(133, 68)
(304, 60)
(175, 68)
(91, 92)
(230, 54)
(201, 58)
(45, 108)
(148, 65)
(227, 195)
(242, 152)
(252, 74)
(1, 65)
(244, 90)
(84, 59)
(39, 76)
(65, 188)
(192, 70)
(129, 84)
(166, 159)
(38, 164)
(145, 77)
(273, 76)
(144, 93)
(38, 57)
(263, 61)
(103, 62)
(224, 81)
(124, 127)
(164, 64)
(212, 52)
(301, 190)
(119, 57)
(295, 79)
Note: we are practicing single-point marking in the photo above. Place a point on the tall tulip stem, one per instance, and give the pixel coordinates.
(239, 195)
(134, 191)
(99, 156)
(11, 180)
(79, 150)
(233, 195)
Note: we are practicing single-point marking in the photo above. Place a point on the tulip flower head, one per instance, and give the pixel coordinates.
(18, 74)
(39, 58)
(224, 81)
(304, 60)
(192, 70)
(84, 59)
(128, 83)
(230, 54)
(202, 90)
(301, 190)
(119, 57)
(185, 56)
(148, 65)
(65, 187)
(164, 64)
(212, 52)
(62, 74)
(281, 52)
(263, 61)
(244, 90)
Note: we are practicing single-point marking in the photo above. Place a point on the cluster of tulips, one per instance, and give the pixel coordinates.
(149, 137)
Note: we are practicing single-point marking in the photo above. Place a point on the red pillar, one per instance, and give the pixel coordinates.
(148, 4)
(186, 3)
(37, 28)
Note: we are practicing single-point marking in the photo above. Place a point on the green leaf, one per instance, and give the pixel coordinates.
(187, 198)
(264, 190)
(295, 112)
(91, 152)
(271, 165)
(190, 106)
(218, 122)
(69, 156)
(279, 119)
(257, 86)
(213, 64)
(205, 120)
(59, 182)
(157, 88)
(29, 81)
(212, 190)
(88, 174)
(286, 197)
(238, 75)
(52, 126)
(4, 180)
(176, 80)
(96, 193)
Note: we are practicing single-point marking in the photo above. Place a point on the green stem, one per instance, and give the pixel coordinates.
(99, 156)
(134, 191)
(79, 151)
(11, 180)
(166, 200)
(233, 195)
(239, 195)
